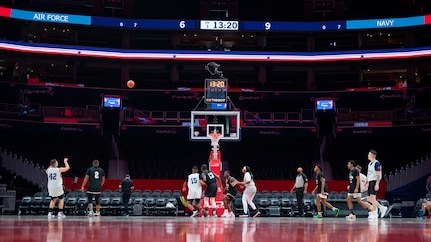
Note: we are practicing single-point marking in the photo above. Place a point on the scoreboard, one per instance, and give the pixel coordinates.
(215, 24)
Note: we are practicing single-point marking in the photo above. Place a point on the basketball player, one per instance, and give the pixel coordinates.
(194, 185)
(95, 176)
(374, 176)
(322, 188)
(354, 188)
(210, 179)
(249, 192)
(231, 191)
(55, 186)
(126, 187)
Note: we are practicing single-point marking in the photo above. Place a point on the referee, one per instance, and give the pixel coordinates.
(301, 184)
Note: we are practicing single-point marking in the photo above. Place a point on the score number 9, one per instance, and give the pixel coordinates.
(267, 25)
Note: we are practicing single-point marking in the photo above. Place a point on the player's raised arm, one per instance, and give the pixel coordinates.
(66, 165)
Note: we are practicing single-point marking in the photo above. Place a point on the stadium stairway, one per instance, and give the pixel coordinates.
(117, 169)
(327, 169)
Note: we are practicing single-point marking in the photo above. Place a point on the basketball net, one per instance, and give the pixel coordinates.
(215, 138)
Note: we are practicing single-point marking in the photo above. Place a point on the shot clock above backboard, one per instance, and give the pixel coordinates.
(215, 90)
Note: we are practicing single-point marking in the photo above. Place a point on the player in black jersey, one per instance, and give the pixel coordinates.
(230, 191)
(95, 176)
(322, 193)
(210, 179)
(355, 190)
(126, 187)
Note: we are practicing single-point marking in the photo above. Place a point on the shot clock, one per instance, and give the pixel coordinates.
(215, 90)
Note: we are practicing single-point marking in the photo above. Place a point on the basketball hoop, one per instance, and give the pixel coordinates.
(215, 138)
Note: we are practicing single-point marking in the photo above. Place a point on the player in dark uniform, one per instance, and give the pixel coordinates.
(126, 187)
(210, 179)
(230, 191)
(355, 190)
(95, 176)
(322, 193)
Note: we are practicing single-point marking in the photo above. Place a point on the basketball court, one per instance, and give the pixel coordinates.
(219, 120)
(269, 229)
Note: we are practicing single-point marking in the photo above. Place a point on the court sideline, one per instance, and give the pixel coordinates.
(268, 229)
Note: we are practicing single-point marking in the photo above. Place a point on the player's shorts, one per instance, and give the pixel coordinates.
(194, 194)
(230, 196)
(232, 192)
(371, 190)
(55, 191)
(195, 200)
(96, 197)
(354, 195)
(211, 190)
(323, 195)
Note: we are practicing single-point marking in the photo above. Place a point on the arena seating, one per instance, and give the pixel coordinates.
(166, 203)
(25, 205)
(7, 199)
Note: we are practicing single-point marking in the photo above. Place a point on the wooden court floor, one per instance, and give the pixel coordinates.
(266, 229)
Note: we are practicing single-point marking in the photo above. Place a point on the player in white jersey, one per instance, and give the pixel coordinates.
(374, 175)
(249, 193)
(194, 184)
(55, 186)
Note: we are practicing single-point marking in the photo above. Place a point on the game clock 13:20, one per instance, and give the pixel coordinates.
(215, 90)
(219, 25)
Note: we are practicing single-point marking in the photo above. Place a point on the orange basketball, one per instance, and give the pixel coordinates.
(130, 84)
(240, 188)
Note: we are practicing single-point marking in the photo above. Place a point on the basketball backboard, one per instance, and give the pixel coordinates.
(227, 123)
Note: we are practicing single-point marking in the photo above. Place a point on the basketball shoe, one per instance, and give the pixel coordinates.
(225, 214)
(336, 211)
(383, 210)
(194, 214)
(372, 215)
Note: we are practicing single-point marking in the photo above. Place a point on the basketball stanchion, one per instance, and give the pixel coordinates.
(215, 137)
